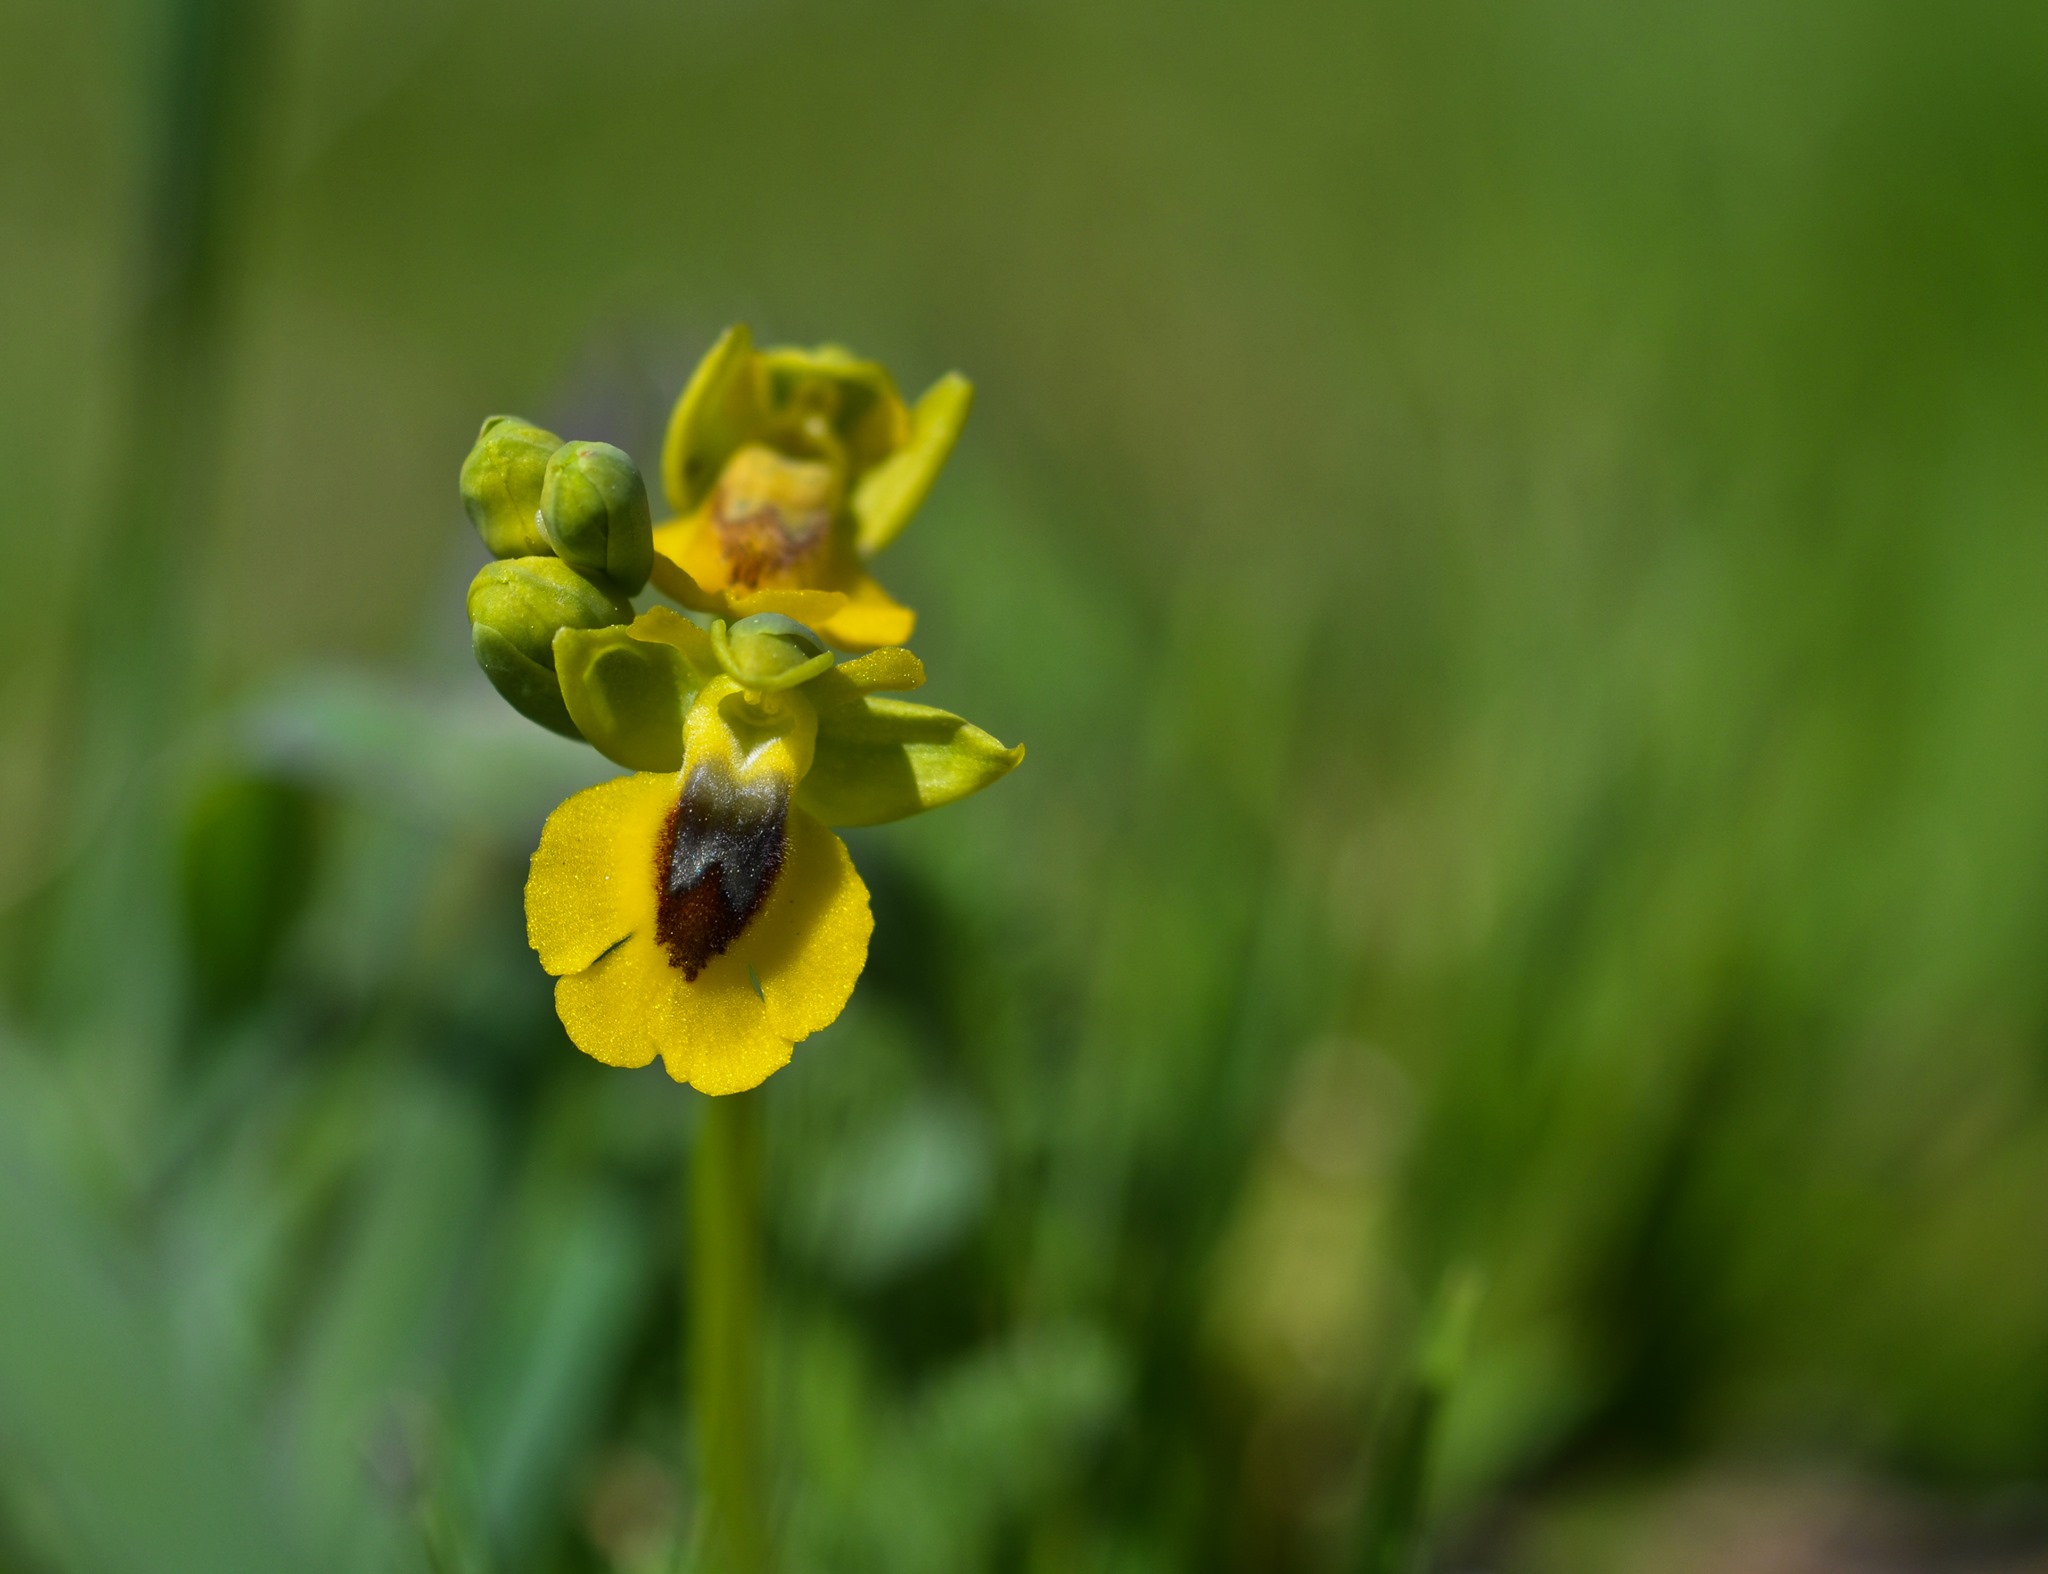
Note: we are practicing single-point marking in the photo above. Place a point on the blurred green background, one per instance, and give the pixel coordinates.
(1516, 536)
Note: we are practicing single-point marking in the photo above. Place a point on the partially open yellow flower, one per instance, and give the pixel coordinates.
(700, 910)
(788, 471)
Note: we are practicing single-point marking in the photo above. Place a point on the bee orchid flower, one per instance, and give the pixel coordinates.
(788, 471)
(701, 909)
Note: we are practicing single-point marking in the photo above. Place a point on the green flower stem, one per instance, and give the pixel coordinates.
(724, 1333)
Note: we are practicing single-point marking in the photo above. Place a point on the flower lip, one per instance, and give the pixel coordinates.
(716, 863)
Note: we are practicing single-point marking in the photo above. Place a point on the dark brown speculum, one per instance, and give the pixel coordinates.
(716, 863)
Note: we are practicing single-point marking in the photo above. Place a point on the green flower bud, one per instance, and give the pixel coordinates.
(769, 651)
(515, 610)
(593, 507)
(501, 485)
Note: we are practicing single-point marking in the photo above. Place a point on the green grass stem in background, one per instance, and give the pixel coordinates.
(1393, 1526)
(127, 689)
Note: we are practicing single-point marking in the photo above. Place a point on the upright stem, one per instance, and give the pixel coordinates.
(724, 1332)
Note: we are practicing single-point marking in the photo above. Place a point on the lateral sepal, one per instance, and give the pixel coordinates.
(881, 759)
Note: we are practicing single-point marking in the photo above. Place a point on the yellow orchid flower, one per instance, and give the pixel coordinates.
(700, 909)
(788, 470)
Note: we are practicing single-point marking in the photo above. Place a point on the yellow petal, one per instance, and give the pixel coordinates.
(810, 943)
(592, 879)
(891, 492)
(872, 616)
(812, 608)
(687, 566)
(890, 668)
(673, 583)
(660, 626)
(712, 1032)
(610, 1009)
(719, 1037)
(673, 538)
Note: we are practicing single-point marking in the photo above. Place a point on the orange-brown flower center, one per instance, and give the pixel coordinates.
(772, 516)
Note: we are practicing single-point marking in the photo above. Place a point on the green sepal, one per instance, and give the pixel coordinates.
(628, 689)
(626, 696)
(858, 399)
(892, 491)
(501, 485)
(882, 759)
(719, 410)
(593, 510)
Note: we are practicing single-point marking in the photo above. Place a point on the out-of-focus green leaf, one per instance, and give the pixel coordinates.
(143, 1469)
(993, 1432)
(381, 1314)
(544, 1359)
(247, 867)
(450, 763)
(886, 1198)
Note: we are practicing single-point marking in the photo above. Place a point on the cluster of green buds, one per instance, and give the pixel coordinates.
(570, 528)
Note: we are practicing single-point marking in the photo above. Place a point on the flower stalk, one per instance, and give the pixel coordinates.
(722, 1348)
